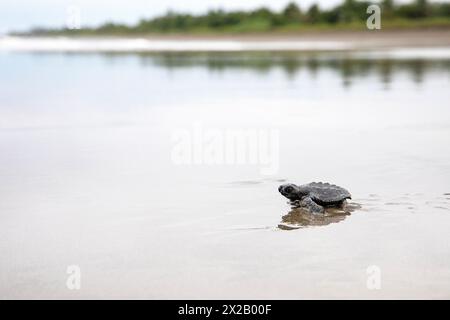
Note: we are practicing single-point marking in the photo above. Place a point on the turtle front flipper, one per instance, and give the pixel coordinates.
(313, 207)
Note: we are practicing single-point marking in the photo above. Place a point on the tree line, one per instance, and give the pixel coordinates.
(264, 19)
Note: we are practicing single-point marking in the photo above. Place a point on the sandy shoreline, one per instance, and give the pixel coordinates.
(378, 39)
(308, 41)
(430, 37)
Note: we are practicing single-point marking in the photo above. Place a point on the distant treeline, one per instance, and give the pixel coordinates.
(292, 17)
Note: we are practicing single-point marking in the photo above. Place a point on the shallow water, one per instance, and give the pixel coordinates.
(88, 175)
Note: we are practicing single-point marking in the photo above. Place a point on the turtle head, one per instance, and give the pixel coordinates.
(290, 191)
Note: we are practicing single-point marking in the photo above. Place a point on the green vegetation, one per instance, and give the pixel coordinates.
(351, 14)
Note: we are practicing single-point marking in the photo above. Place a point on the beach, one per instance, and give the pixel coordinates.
(111, 162)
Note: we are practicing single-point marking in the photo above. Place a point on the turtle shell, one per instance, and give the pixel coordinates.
(325, 193)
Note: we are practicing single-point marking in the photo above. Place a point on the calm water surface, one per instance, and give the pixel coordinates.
(87, 175)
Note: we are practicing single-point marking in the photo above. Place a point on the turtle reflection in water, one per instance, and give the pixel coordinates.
(300, 217)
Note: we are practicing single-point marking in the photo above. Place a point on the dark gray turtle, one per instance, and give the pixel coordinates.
(315, 196)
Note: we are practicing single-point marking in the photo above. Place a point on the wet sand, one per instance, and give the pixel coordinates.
(87, 177)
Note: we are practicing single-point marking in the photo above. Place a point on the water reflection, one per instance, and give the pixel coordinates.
(347, 66)
(300, 218)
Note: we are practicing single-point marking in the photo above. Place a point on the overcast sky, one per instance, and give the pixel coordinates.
(24, 14)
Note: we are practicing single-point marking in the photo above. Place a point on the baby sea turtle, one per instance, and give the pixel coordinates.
(315, 196)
